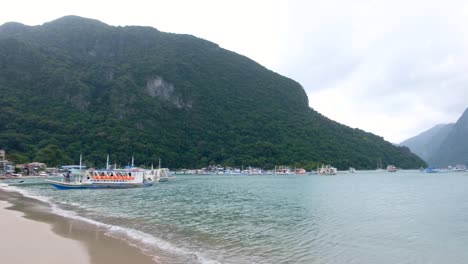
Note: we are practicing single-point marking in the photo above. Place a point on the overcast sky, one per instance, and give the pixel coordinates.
(393, 68)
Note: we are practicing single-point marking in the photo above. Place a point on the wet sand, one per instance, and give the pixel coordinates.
(27, 241)
(31, 233)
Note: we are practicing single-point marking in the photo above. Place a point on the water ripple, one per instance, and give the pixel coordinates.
(407, 217)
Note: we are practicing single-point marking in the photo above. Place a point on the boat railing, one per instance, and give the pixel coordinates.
(113, 178)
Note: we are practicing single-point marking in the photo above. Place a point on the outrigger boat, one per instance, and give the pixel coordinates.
(118, 179)
(163, 175)
(160, 174)
(129, 177)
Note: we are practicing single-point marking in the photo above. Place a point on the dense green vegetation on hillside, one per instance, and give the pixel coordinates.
(76, 85)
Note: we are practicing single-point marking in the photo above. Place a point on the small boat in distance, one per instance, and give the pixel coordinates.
(327, 170)
(392, 168)
(282, 170)
(458, 168)
(161, 174)
(433, 170)
(300, 171)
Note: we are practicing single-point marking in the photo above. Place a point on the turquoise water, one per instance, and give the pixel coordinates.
(365, 217)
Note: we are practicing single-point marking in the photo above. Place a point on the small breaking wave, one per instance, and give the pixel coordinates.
(133, 237)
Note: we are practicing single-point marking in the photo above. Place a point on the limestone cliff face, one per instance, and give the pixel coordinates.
(157, 87)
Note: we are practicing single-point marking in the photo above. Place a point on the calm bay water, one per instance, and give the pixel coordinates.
(365, 217)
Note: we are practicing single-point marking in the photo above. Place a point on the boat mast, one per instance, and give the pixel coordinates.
(107, 162)
(81, 156)
(133, 159)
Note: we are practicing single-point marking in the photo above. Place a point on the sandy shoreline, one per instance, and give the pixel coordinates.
(26, 241)
(30, 233)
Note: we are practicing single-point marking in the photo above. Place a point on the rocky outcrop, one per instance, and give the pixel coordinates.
(157, 87)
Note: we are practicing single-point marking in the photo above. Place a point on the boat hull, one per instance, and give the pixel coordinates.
(98, 185)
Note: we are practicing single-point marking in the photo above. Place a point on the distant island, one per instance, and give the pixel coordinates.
(78, 86)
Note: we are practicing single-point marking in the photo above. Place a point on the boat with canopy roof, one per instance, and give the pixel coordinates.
(130, 177)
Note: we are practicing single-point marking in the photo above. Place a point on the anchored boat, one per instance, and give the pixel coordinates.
(392, 168)
(161, 174)
(95, 179)
(328, 170)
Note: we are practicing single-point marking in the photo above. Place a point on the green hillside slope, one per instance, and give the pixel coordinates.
(77, 85)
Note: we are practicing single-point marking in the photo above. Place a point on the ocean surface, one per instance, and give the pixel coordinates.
(364, 217)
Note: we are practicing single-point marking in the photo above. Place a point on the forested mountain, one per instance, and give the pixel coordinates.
(77, 85)
(442, 145)
(454, 148)
(426, 144)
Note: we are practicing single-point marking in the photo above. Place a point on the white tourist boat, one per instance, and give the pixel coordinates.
(392, 168)
(164, 175)
(300, 171)
(160, 174)
(282, 170)
(80, 178)
(327, 170)
(458, 168)
(95, 179)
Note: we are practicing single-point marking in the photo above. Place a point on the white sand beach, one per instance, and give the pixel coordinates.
(30, 233)
(27, 241)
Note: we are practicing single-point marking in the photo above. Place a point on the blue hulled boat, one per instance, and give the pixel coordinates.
(98, 179)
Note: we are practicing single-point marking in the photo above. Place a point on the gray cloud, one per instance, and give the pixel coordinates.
(394, 68)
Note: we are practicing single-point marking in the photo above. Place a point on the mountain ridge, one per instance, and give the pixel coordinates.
(96, 89)
(428, 142)
(454, 149)
(442, 145)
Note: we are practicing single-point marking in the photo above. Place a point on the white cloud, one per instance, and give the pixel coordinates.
(393, 68)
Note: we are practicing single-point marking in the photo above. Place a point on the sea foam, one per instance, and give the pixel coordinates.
(132, 236)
